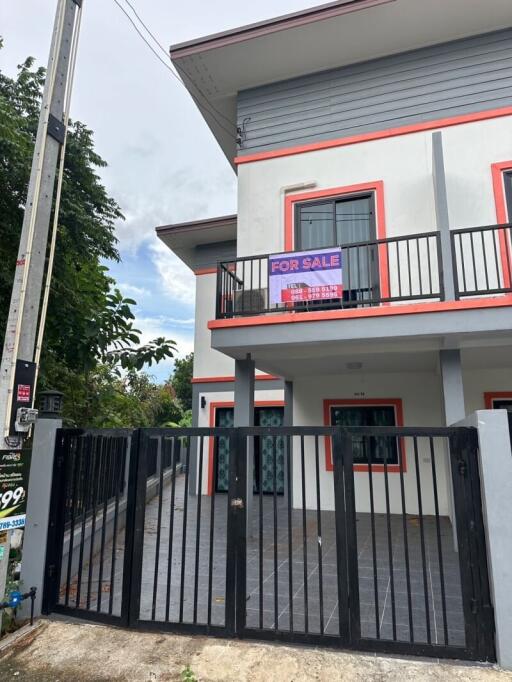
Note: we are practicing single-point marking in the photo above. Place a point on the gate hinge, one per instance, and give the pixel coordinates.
(51, 570)
(462, 467)
(474, 606)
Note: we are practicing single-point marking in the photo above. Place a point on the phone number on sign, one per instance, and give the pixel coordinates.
(9, 524)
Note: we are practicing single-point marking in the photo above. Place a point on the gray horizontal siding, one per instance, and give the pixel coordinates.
(464, 76)
(208, 255)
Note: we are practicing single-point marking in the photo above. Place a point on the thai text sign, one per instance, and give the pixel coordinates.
(14, 471)
(305, 276)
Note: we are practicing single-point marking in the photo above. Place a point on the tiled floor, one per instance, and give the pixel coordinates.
(390, 619)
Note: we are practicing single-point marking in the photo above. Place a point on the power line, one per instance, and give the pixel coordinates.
(166, 53)
(209, 107)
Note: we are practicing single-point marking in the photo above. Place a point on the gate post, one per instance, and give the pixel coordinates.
(134, 529)
(495, 465)
(38, 508)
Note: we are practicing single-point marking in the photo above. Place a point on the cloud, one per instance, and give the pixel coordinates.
(154, 327)
(178, 282)
(132, 290)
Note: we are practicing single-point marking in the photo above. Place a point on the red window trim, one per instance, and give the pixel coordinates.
(213, 408)
(502, 217)
(491, 396)
(376, 186)
(399, 420)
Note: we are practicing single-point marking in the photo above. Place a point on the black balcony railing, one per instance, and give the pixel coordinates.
(482, 260)
(404, 268)
(398, 269)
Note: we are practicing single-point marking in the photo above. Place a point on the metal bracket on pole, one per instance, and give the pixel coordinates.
(56, 129)
(78, 2)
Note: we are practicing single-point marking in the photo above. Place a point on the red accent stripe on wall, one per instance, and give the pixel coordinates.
(377, 135)
(491, 396)
(405, 309)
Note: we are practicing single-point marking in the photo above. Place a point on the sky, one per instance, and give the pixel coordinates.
(164, 165)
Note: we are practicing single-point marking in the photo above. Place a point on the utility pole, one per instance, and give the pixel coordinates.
(18, 369)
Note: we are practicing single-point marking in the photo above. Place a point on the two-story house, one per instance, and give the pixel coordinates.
(379, 131)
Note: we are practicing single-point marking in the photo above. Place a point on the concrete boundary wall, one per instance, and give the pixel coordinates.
(495, 464)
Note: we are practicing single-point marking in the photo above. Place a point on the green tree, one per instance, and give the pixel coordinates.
(90, 337)
(181, 380)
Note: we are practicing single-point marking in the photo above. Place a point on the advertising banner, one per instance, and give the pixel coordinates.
(305, 276)
(14, 472)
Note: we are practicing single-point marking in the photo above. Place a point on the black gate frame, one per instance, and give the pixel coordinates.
(463, 453)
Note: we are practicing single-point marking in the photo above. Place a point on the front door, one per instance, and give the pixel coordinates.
(264, 447)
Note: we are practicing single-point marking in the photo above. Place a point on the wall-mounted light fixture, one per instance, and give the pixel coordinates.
(203, 401)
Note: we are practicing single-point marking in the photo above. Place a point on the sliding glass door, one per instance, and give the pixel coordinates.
(341, 222)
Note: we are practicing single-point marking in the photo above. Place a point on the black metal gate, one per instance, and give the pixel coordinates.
(387, 555)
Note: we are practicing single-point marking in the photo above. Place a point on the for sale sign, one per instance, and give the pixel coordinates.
(14, 470)
(305, 276)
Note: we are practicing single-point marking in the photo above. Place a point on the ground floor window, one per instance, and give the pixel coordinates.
(377, 451)
(501, 400)
(265, 448)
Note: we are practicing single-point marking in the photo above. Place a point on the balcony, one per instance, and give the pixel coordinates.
(474, 262)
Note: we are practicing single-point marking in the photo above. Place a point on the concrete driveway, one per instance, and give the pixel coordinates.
(58, 651)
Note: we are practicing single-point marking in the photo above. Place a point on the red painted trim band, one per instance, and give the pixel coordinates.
(491, 396)
(229, 379)
(406, 309)
(377, 135)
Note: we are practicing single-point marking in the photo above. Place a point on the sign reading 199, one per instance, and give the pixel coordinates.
(11, 498)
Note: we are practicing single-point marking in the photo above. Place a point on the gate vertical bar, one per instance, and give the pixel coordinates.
(459, 468)
(56, 523)
(134, 538)
(351, 535)
(232, 532)
(243, 447)
(341, 531)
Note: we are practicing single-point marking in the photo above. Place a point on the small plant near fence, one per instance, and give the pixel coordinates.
(187, 675)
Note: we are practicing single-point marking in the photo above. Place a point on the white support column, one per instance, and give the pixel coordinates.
(442, 217)
(495, 466)
(454, 411)
(244, 416)
(453, 388)
(38, 509)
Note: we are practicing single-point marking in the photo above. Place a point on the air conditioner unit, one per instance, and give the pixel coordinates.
(250, 301)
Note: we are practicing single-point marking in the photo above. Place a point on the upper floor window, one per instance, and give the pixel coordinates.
(334, 222)
(507, 179)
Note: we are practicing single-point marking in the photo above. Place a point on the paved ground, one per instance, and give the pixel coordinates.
(63, 652)
(307, 594)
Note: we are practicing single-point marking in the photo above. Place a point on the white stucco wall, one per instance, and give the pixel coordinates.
(421, 395)
(207, 361)
(420, 409)
(403, 163)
